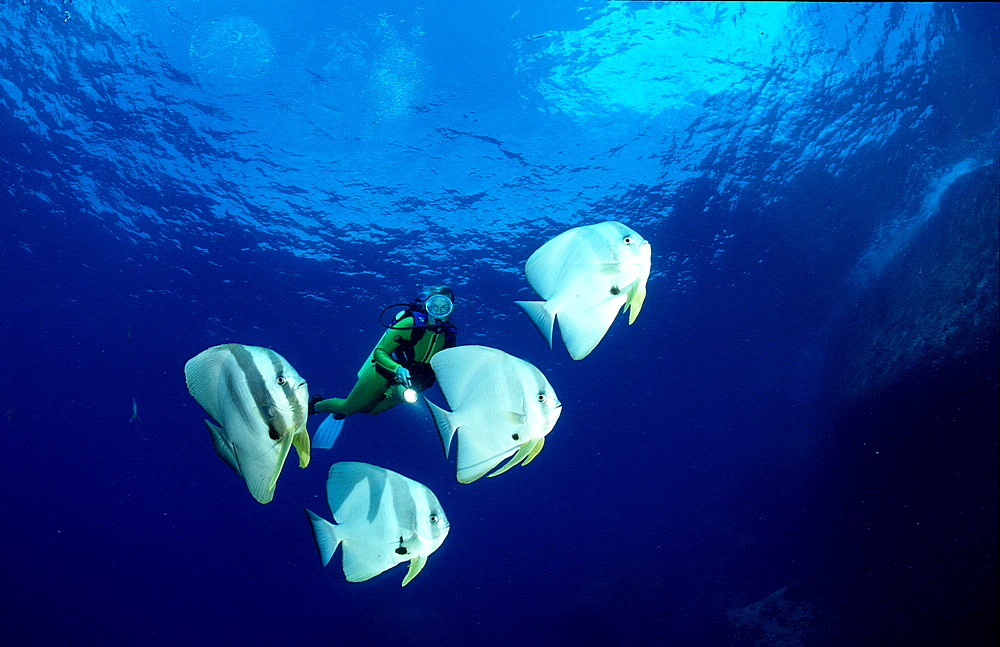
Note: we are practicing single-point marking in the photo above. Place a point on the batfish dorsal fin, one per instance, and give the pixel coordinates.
(456, 370)
(354, 490)
(203, 374)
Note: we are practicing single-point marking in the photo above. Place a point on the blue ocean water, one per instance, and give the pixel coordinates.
(182, 174)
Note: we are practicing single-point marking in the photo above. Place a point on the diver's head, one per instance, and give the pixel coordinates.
(437, 300)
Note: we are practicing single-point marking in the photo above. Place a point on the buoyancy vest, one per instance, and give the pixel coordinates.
(405, 353)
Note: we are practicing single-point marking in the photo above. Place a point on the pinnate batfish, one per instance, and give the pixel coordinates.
(501, 405)
(259, 402)
(383, 519)
(585, 275)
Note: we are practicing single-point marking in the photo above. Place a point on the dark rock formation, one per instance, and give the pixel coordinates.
(935, 303)
(909, 525)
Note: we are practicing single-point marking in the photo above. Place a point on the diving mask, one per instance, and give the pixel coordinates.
(438, 306)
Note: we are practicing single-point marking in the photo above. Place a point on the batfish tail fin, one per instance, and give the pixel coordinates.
(540, 316)
(325, 534)
(327, 432)
(416, 565)
(443, 423)
(583, 330)
(301, 443)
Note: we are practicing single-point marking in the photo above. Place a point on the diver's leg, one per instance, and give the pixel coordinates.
(388, 401)
(364, 397)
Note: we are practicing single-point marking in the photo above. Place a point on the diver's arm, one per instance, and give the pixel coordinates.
(401, 329)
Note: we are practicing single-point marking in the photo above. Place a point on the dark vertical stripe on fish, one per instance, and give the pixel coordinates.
(258, 390)
(376, 486)
(289, 390)
(404, 507)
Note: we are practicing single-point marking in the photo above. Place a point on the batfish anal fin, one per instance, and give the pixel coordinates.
(416, 565)
(583, 329)
(222, 447)
(362, 563)
(261, 483)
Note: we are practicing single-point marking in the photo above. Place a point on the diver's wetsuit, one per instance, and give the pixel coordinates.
(376, 389)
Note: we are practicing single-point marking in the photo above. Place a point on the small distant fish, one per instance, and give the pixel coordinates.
(135, 412)
(585, 275)
(260, 402)
(383, 519)
(501, 406)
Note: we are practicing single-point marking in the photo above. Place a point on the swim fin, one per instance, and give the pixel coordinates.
(327, 432)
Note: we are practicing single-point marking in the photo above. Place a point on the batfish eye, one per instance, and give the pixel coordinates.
(281, 379)
(435, 518)
(542, 397)
(627, 240)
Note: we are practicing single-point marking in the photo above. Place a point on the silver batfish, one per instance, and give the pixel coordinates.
(586, 275)
(502, 406)
(383, 519)
(260, 403)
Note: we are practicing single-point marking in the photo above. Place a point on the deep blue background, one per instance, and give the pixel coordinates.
(777, 157)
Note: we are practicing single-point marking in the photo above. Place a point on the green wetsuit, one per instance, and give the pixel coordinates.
(376, 389)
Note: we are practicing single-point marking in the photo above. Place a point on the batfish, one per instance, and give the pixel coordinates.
(383, 519)
(259, 402)
(585, 275)
(501, 406)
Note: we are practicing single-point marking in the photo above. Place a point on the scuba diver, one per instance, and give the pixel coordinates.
(399, 366)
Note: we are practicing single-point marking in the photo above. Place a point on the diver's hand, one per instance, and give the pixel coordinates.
(403, 376)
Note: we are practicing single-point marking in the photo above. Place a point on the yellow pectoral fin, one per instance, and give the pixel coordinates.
(302, 446)
(537, 447)
(636, 297)
(416, 565)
